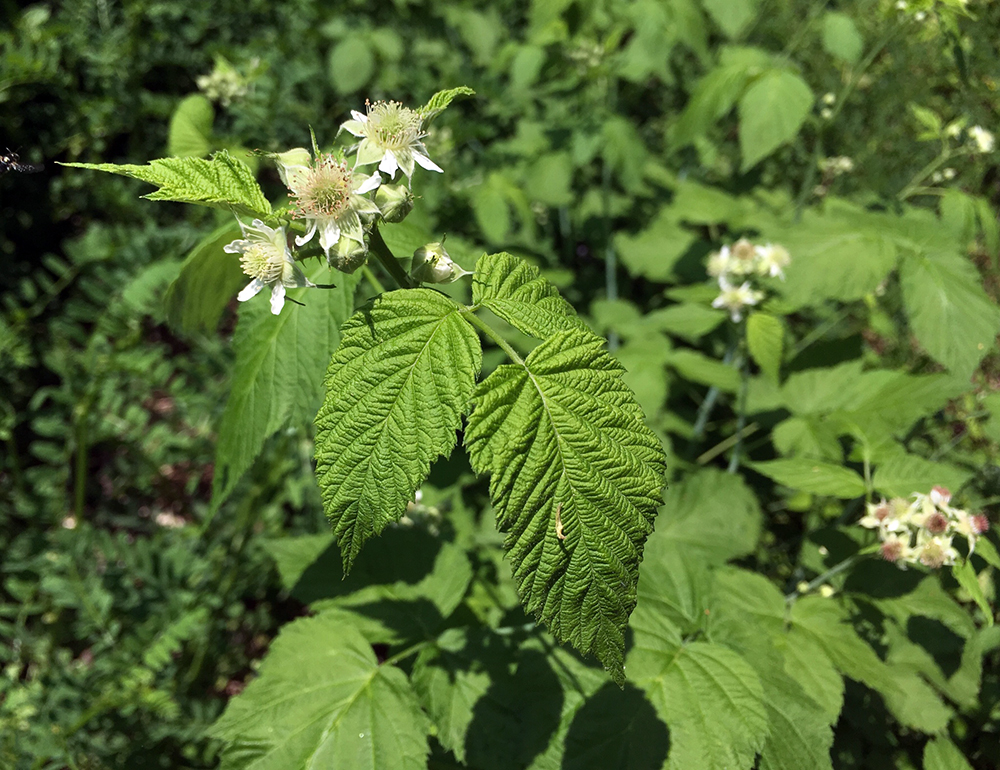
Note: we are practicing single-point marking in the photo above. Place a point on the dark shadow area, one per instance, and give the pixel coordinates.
(396, 555)
(616, 730)
(516, 717)
(411, 620)
(941, 643)
(881, 580)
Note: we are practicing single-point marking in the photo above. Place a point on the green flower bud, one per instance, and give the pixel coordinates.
(395, 201)
(347, 255)
(431, 264)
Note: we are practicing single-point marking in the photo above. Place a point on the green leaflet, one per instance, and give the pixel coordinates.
(208, 280)
(279, 370)
(323, 702)
(221, 182)
(765, 339)
(517, 293)
(951, 315)
(814, 476)
(395, 393)
(772, 111)
(190, 133)
(441, 100)
(570, 456)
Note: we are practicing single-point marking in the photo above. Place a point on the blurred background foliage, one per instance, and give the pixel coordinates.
(609, 143)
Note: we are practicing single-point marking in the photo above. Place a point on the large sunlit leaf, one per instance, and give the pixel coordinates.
(576, 478)
(396, 390)
(207, 283)
(322, 701)
(222, 182)
(518, 294)
(950, 313)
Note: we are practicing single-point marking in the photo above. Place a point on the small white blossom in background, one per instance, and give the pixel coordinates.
(983, 139)
(836, 166)
(736, 266)
(920, 15)
(391, 135)
(736, 299)
(169, 520)
(224, 84)
(265, 257)
(328, 195)
(829, 98)
(921, 531)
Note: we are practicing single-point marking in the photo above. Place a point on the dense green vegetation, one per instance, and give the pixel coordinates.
(175, 528)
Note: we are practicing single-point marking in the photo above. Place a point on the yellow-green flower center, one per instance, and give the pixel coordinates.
(263, 261)
(392, 126)
(325, 189)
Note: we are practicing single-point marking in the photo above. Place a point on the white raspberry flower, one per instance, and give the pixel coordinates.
(718, 262)
(736, 298)
(743, 258)
(935, 551)
(772, 260)
(328, 195)
(265, 257)
(984, 140)
(391, 136)
(896, 548)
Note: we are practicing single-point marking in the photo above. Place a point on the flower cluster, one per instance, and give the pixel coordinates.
(735, 268)
(331, 197)
(921, 531)
(983, 140)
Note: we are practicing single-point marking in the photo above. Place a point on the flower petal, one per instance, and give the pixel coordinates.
(388, 164)
(355, 127)
(359, 116)
(424, 162)
(406, 162)
(251, 290)
(277, 298)
(369, 184)
(367, 153)
(329, 234)
(236, 247)
(302, 240)
(350, 225)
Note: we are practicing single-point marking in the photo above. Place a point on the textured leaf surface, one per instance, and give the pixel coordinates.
(441, 101)
(710, 698)
(951, 314)
(570, 455)
(704, 504)
(221, 181)
(518, 294)
(765, 339)
(278, 373)
(396, 390)
(323, 702)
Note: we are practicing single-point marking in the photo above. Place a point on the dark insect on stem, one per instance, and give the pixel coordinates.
(11, 161)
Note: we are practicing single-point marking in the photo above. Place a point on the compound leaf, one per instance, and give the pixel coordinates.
(222, 182)
(518, 294)
(322, 700)
(395, 393)
(576, 479)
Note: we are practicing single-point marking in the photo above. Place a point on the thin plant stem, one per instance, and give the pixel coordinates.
(836, 569)
(492, 333)
(384, 255)
(741, 417)
(705, 410)
(725, 444)
(408, 652)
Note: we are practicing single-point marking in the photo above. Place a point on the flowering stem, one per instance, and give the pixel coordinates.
(381, 250)
(705, 410)
(741, 419)
(836, 569)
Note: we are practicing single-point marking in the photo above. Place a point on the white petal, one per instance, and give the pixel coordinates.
(251, 290)
(302, 240)
(236, 247)
(424, 162)
(329, 234)
(406, 163)
(369, 184)
(277, 298)
(359, 116)
(353, 127)
(388, 164)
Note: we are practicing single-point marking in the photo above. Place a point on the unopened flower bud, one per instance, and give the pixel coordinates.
(348, 255)
(431, 264)
(395, 201)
